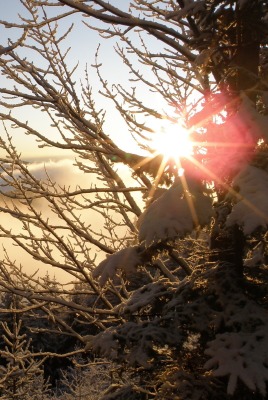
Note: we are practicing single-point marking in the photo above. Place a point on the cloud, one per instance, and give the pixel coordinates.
(62, 172)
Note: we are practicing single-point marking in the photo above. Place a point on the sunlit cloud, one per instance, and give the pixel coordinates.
(63, 172)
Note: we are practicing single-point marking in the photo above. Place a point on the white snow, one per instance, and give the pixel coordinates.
(142, 297)
(257, 256)
(126, 260)
(251, 209)
(256, 123)
(241, 355)
(174, 214)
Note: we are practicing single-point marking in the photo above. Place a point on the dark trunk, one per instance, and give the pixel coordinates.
(227, 244)
(245, 61)
(243, 31)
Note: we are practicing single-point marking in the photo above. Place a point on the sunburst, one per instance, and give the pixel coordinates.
(173, 141)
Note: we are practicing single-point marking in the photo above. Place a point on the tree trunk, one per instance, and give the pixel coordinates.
(227, 244)
(247, 56)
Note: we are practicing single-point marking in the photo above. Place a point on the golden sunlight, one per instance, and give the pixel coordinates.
(173, 141)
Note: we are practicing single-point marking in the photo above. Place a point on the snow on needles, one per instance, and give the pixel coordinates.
(177, 212)
(251, 209)
(174, 214)
(241, 355)
(126, 259)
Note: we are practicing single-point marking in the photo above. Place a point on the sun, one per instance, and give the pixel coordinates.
(173, 141)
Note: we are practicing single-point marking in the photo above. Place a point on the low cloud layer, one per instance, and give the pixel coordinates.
(65, 174)
(62, 172)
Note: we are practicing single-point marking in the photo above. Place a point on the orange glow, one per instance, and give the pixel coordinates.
(173, 141)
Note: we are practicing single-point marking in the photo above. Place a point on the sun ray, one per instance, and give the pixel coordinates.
(189, 200)
(178, 147)
(229, 189)
(157, 179)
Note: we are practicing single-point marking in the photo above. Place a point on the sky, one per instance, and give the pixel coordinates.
(60, 165)
(84, 43)
(61, 171)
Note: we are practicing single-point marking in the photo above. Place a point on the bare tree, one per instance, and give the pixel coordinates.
(174, 297)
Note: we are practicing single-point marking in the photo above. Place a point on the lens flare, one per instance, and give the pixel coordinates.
(173, 141)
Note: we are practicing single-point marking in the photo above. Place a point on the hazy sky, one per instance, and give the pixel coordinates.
(83, 43)
(65, 174)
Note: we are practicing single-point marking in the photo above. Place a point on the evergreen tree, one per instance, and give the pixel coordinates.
(180, 300)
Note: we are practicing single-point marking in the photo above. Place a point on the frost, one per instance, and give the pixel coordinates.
(257, 256)
(241, 352)
(241, 355)
(174, 214)
(144, 296)
(104, 343)
(210, 301)
(203, 57)
(251, 210)
(140, 337)
(126, 259)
